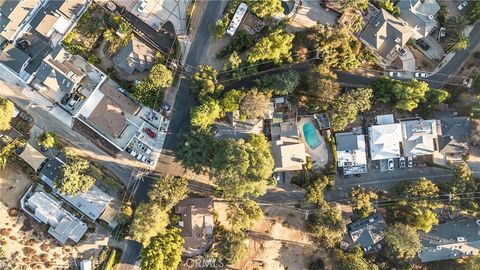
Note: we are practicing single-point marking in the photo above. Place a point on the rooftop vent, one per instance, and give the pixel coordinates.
(397, 40)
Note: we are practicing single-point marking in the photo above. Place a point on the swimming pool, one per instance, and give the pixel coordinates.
(310, 134)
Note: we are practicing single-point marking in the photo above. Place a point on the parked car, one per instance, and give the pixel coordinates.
(139, 156)
(410, 162)
(150, 133)
(401, 51)
(141, 6)
(462, 5)
(421, 75)
(166, 107)
(393, 74)
(144, 148)
(149, 161)
(442, 32)
(132, 153)
(390, 164)
(73, 101)
(422, 44)
(401, 163)
(65, 99)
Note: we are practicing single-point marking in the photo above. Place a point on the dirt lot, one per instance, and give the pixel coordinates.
(13, 184)
(278, 241)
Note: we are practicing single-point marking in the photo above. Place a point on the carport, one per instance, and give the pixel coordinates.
(32, 157)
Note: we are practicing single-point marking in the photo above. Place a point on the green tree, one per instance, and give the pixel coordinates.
(318, 90)
(277, 47)
(352, 262)
(265, 8)
(425, 219)
(347, 106)
(422, 190)
(354, 4)
(233, 66)
(389, 6)
(242, 167)
(204, 115)
(473, 12)
(471, 263)
(231, 246)
(47, 139)
(457, 43)
(402, 242)
(404, 95)
(337, 47)
(150, 90)
(164, 251)
(148, 220)
(282, 84)
(463, 180)
(242, 216)
(6, 113)
(230, 102)
(74, 178)
(5, 153)
(362, 201)
(455, 25)
(436, 96)
(205, 82)
(327, 226)
(195, 151)
(355, 24)
(168, 191)
(255, 104)
(315, 191)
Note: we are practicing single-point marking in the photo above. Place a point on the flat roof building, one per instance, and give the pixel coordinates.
(91, 203)
(351, 153)
(47, 210)
(385, 141)
(288, 151)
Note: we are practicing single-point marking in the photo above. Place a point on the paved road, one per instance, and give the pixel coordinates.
(452, 67)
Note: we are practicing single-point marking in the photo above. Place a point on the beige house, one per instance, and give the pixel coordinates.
(288, 151)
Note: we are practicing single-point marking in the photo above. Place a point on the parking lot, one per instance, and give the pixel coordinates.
(157, 12)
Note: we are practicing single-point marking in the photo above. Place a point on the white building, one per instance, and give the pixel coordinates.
(419, 137)
(351, 153)
(385, 141)
(45, 209)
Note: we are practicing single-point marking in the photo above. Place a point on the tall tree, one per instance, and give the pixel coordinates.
(241, 167)
(150, 90)
(204, 115)
(265, 8)
(255, 104)
(230, 102)
(347, 106)
(47, 139)
(473, 11)
(463, 180)
(404, 95)
(402, 243)
(205, 82)
(455, 25)
(74, 178)
(6, 113)
(277, 47)
(318, 91)
(457, 43)
(354, 4)
(282, 84)
(148, 220)
(164, 251)
(196, 150)
(327, 226)
(168, 191)
(436, 96)
(362, 201)
(231, 246)
(242, 216)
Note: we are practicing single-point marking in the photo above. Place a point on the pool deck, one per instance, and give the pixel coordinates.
(320, 154)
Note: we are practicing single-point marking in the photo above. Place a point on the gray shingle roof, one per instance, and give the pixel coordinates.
(13, 58)
(135, 56)
(420, 15)
(385, 31)
(346, 141)
(367, 231)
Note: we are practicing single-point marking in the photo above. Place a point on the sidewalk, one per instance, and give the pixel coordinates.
(37, 106)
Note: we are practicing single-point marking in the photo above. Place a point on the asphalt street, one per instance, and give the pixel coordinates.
(451, 68)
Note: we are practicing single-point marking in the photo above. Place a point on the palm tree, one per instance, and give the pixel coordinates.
(457, 43)
(455, 24)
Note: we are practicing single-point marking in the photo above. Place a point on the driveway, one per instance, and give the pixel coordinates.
(308, 14)
(408, 60)
(435, 51)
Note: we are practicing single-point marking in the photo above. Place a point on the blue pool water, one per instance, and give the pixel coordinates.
(310, 134)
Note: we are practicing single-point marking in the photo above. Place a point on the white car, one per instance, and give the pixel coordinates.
(393, 74)
(409, 162)
(462, 5)
(421, 75)
(390, 164)
(142, 5)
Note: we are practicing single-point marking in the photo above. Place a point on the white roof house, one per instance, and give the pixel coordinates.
(385, 141)
(351, 153)
(63, 225)
(419, 137)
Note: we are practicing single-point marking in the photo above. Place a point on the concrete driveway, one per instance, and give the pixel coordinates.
(408, 60)
(308, 14)
(158, 12)
(435, 51)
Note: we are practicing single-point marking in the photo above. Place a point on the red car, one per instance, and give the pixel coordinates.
(150, 133)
